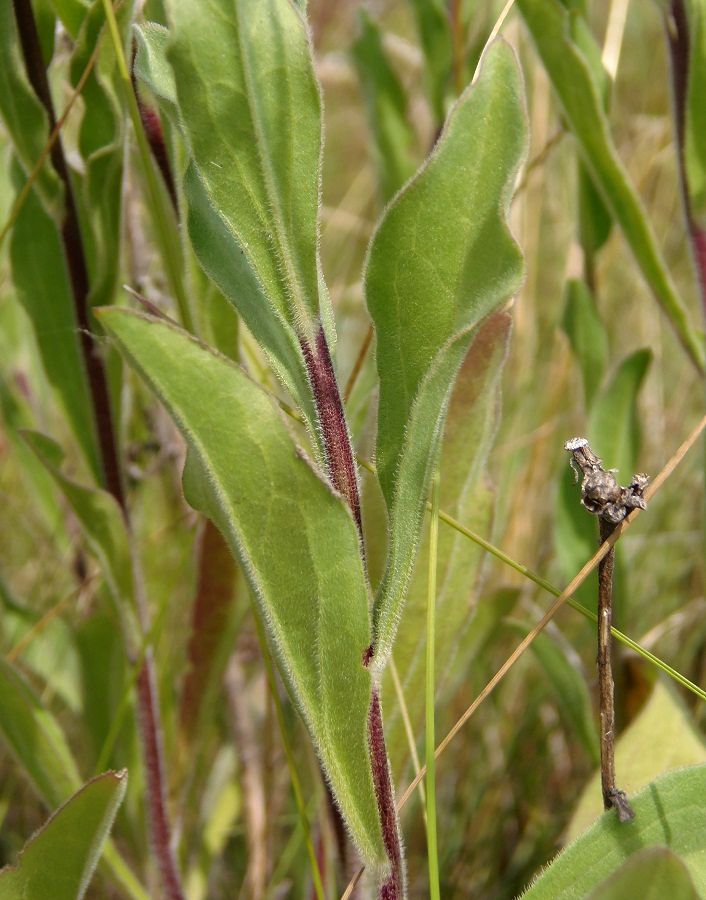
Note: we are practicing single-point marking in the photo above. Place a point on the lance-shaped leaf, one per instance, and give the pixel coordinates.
(38, 744)
(250, 109)
(23, 115)
(41, 280)
(570, 74)
(466, 495)
(668, 813)
(441, 260)
(295, 538)
(59, 860)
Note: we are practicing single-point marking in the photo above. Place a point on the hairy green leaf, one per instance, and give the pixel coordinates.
(440, 261)
(549, 24)
(59, 860)
(23, 114)
(650, 874)
(466, 495)
(151, 64)
(295, 539)
(668, 812)
(386, 105)
(250, 110)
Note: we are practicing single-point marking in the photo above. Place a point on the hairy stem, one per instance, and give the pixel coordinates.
(343, 474)
(613, 798)
(393, 888)
(74, 252)
(332, 421)
(75, 260)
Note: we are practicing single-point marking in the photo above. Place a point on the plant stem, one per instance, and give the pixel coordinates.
(150, 729)
(75, 260)
(393, 888)
(613, 797)
(343, 475)
(430, 737)
(332, 421)
(602, 496)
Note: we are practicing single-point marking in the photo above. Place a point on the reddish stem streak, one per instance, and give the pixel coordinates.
(393, 888)
(154, 766)
(332, 420)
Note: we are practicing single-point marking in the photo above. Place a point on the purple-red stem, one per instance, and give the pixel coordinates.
(344, 477)
(75, 256)
(677, 27)
(393, 886)
(332, 421)
(160, 832)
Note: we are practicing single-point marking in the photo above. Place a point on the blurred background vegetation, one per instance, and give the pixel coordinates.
(509, 783)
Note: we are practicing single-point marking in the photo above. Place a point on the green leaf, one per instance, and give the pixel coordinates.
(59, 860)
(36, 741)
(151, 64)
(435, 36)
(650, 874)
(668, 812)
(23, 115)
(569, 684)
(246, 473)
(662, 737)
(570, 74)
(386, 105)
(614, 428)
(695, 120)
(71, 13)
(45, 293)
(466, 495)
(101, 144)
(254, 132)
(441, 260)
(587, 336)
(99, 515)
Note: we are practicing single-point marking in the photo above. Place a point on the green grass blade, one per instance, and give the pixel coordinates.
(430, 695)
(549, 24)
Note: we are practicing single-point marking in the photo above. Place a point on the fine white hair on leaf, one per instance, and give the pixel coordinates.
(575, 443)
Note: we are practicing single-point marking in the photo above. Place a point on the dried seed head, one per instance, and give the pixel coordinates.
(600, 492)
